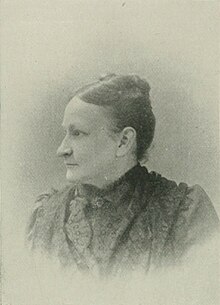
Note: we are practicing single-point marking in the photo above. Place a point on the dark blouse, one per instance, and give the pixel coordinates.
(143, 220)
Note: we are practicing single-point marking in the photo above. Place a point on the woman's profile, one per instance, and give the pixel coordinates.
(114, 215)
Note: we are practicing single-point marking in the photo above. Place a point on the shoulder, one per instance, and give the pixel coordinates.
(197, 215)
(48, 202)
(53, 198)
(179, 208)
(181, 196)
(166, 195)
(46, 207)
(176, 217)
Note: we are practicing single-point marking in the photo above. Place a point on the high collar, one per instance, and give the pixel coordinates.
(113, 191)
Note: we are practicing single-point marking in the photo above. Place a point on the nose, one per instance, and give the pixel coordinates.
(64, 150)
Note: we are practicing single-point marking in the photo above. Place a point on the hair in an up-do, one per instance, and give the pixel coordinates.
(127, 97)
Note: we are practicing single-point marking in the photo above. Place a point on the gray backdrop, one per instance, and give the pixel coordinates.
(50, 48)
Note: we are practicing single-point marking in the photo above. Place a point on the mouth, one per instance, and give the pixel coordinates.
(70, 164)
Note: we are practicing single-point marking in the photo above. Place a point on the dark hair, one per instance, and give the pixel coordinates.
(127, 96)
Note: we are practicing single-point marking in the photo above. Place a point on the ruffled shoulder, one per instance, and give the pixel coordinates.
(197, 219)
(177, 217)
(45, 214)
(39, 205)
(166, 196)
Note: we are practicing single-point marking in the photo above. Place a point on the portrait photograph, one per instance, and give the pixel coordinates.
(110, 152)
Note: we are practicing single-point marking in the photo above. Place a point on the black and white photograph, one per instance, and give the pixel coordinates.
(110, 152)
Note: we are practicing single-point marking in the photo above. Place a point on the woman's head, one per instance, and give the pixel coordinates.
(109, 127)
(127, 99)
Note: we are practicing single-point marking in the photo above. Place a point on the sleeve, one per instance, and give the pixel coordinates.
(197, 222)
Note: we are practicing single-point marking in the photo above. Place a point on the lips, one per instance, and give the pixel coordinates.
(70, 164)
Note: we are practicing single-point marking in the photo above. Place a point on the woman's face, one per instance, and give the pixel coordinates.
(88, 148)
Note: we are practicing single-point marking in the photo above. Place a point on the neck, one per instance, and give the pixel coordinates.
(113, 174)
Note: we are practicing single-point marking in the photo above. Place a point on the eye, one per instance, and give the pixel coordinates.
(76, 133)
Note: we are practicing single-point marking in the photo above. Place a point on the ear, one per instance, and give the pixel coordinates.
(126, 142)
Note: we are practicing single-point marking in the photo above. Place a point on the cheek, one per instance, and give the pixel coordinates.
(85, 150)
(104, 146)
(96, 148)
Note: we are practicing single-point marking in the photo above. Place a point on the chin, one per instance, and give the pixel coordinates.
(74, 176)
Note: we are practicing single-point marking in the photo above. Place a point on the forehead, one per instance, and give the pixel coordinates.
(78, 112)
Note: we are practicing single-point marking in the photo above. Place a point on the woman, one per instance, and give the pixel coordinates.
(114, 215)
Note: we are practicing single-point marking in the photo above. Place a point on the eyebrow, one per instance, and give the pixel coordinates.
(73, 127)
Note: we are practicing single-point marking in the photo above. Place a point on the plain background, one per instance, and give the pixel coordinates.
(51, 48)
